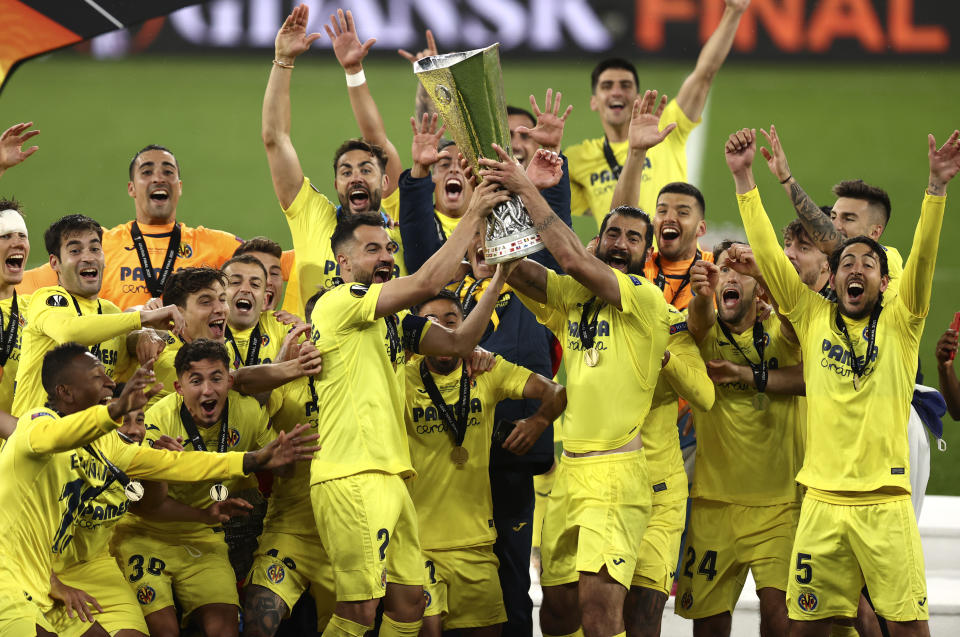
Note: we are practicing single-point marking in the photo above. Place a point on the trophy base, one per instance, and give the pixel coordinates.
(512, 248)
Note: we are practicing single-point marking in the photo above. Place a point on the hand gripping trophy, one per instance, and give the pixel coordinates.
(467, 89)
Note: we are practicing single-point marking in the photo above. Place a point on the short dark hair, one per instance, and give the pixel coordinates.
(312, 303)
(348, 224)
(875, 247)
(56, 363)
(11, 204)
(725, 245)
(516, 110)
(796, 230)
(442, 295)
(360, 144)
(683, 188)
(149, 147)
(259, 244)
(247, 259)
(202, 349)
(53, 237)
(859, 189)
(612, 63)
(633, 213)
(187, 281)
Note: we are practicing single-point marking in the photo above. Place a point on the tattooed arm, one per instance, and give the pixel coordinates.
(816, 222)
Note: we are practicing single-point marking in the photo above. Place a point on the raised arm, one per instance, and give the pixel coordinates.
(781, 278)
(441, 341)
(561, 240)
(350, 54)
(693, 93)
(11, 142)
(439, 269)
(529, 278)
(917, 281)
(815, 221)
(788, 380)
(685, 371)
(285, 170)
(423, 105)
(644, 134)
(701, 314)
(553, 400)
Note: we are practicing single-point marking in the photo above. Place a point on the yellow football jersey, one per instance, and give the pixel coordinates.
(312, 219)
(8, 374)
(272, 333)
(461, 513)
(54, 318)
(51, 480)
(856, 440)
(746, 455)
(289, 509)
(686, 375)
(164, 370)
(895, 267)
(360, 394)
(592, 182)
(630, 343)
(248, 430)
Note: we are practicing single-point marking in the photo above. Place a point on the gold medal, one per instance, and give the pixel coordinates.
(856, 383)
(459, 455)
(591, 357)
(761, 402)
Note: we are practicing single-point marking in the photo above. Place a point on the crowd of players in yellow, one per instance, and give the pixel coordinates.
(368, 397)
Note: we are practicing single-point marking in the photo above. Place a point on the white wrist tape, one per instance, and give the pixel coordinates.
(356, 79)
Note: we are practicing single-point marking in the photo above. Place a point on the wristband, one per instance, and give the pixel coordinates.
(356, 79)
(789, 177)
(282, 65)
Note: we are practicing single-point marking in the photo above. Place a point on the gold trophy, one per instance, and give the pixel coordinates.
(467, 89)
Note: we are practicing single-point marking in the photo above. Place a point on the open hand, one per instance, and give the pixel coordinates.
(549, 129)
(75, 600)
(220, 512)
(944, 163)
(346, 44)
(775, 156)
(423, 150)
(430, 51)
(11, 142)
(645, 131)
(545, 169)
(292, 38)
(286, 448)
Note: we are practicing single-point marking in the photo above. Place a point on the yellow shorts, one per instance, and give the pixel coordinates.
(101, 578)
(542, 485)
(199, 573)
(839, 547)
(369, 527)
(724, 541)
(19, 614)
(595, 517)
(657, 561)
(288, 564)
(462, 585)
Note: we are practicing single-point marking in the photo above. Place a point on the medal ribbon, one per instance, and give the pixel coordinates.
(661, 280)
(95, 350)
(871, 335)
(253, 347)
(457, 423)
(587, 331)
(611, 158)
(393, 335)
(760, 371)
(115, 471)
(194, 434)
(8, 338)
(154, 283)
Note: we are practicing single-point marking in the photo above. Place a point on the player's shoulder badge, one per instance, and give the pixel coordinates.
(636, 280)
(57, 300)
(40, 414)
(358, 290)
(678, 327)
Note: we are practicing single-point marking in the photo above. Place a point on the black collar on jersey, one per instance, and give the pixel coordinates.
(827, 292)
(871, 335)
(611, 158)
(194, 434)
(155, 283)
(455, 422)
(760, 371)
(253, 347)
(661, 280)
(8, 337)
(95, 350)
(587, 329)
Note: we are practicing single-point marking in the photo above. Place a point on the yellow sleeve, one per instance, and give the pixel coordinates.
(509, 380)
(265, 433)
(177, 466)
(674, 114)
(546, 315)
(917, 280)
(564, 292)
(291, 295)
(49, 434)
(352, 304)
(781, 277)
(391, 205)
(63, 325)
(686, 372)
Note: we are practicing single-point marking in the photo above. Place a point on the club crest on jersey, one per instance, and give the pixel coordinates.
(264, 340)
(146, 594)
(686, 602)
(358, 290)
(383, 578)
(57, 300)
(427, 597)
(275, 573)
(184, 251)
(807, 602)
(233, 437)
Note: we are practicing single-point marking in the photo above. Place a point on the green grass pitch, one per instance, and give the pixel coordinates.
(836, 122)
